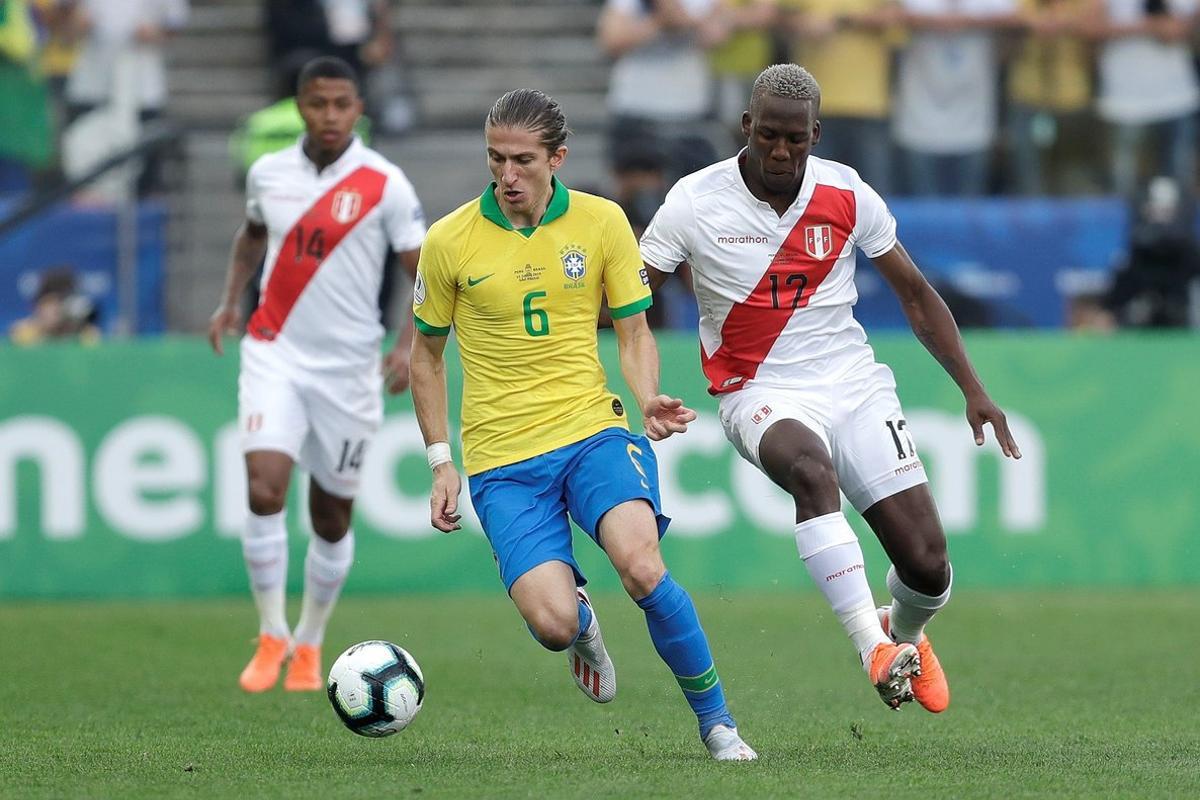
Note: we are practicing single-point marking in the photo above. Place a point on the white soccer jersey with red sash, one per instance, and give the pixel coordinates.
(775, 293)
(328, 238)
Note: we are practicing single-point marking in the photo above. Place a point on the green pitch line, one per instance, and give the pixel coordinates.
(1055, 695)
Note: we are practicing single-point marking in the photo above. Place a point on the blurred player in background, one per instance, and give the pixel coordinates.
(771, 236)
(520, 274)
(325, 211)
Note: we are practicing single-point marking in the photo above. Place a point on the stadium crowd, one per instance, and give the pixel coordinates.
(924, 97)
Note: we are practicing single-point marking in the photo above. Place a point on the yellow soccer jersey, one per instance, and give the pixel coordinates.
(524, 305)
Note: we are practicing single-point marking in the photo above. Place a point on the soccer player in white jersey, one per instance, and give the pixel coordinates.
(771, 236)
(325, 213)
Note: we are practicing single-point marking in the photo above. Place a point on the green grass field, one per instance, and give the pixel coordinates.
(1055, 695)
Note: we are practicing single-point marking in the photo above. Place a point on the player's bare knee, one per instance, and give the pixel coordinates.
(926, 569)
(554, 628)
(642, 575)
(265, 496)
(331, 527)
(813, 485)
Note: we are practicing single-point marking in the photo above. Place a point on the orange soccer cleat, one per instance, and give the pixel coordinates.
(304, 671)
(929, 687)
(892, 668)
(263, 670)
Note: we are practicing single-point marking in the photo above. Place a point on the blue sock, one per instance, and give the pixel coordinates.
(585, 619)
(681, 643)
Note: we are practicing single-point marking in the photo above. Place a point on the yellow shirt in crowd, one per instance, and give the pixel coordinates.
(1052, 73)
(852, 65)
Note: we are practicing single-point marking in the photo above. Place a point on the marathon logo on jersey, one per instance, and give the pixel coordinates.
(254, 422)
(574, 261)
(818, 241)
(732, 381)
(761, 414)
(347, 204)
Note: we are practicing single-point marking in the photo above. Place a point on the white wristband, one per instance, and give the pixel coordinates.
(438, 453)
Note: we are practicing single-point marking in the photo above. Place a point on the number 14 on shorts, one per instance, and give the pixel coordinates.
(352, 455)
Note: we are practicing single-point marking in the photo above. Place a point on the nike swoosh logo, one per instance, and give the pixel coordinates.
(473, 282)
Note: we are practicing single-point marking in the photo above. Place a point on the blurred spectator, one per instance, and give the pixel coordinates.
(1049, 86)
(357, 31)
(847, 46)
(737, 61)
(1159, 285)
(26, 142)
(1148, 86)
(660, 89)
(1088, 312)
(123, 38)
(60, 47)
(944, 115)
(59, 312)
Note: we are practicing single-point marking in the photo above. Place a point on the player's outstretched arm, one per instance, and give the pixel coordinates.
(662, 415)
(935, 327)
(428, 372)
(249, 247)
(396, 362)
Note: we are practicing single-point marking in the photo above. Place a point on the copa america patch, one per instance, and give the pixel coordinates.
(419, 290)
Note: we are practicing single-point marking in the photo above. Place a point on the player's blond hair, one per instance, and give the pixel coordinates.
(791, 81)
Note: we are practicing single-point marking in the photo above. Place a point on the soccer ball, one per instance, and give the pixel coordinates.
(376, 688)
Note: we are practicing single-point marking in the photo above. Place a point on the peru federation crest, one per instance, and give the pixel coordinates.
(818, 241)
(574, 265)
(347, 204)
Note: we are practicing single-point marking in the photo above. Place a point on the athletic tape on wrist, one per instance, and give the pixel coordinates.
(438, 453)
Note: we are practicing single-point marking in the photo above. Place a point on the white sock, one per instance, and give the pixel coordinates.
(325, 570)
(834, 559)
(264, 547)
(911, 610)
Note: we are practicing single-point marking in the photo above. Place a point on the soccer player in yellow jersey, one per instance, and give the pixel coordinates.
(519, 273)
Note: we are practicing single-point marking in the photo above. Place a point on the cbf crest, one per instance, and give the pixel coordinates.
(574, 261)
(818, 241)
(347, 204)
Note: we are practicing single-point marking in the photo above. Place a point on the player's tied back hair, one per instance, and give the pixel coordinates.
(531, 110)
(326, 67)
(790, 81)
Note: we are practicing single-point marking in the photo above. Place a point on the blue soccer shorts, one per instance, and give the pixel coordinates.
(524, 507)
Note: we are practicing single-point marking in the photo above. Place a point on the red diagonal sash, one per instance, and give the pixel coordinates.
(803, 261)
(310, 241)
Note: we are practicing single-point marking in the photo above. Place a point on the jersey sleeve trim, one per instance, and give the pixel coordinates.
(430, 330)
(628, 310)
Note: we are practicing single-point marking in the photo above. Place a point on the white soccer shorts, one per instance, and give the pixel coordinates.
(858, 417)
(323, 420)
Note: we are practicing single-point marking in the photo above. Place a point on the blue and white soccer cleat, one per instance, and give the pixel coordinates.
(589, 662)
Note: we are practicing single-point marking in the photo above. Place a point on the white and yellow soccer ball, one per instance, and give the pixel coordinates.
(376, 688)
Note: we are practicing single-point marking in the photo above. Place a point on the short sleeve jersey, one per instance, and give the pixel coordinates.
(328, 236)
(524, 305)
(775, 293)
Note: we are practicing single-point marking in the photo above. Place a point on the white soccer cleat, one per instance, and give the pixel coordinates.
(589, 662)
(724, 744)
